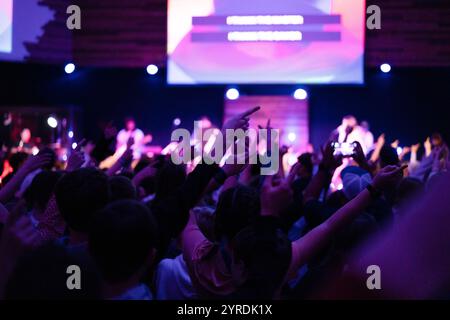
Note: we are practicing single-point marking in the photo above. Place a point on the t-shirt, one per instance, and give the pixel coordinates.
(209, 272)
(173, 281)
(122, 139)
(210, 267)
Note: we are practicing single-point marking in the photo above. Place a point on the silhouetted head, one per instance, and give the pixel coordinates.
(169, 179)
(437, 140)
(44, 273)
(41, 189)
(121, 188)
(236, 209)
(266, 253)
(307, 166)
(79, 194)
(388, 157)
(122, 239)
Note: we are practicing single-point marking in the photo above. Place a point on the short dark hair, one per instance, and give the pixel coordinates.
(266, 253)
(437, 136)
(305, 160)
(129, 118)
(388, 157)
(121, 187)
(42, 274)
(169, 179)
(121, 238)
(349, 116)
(236, 209)
(79, 194)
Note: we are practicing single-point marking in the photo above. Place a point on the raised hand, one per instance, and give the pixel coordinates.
(427, 146)
(76, 158)
(395, 144)
(122, 163)
(276, 194)
(36, 162)
(268, 127)
(329, 161)
(415, 148)
(31, 164)
(269, 135)
(381, 141)
(241, 121)
(293, 173)
(405, 151)
(147, 172)
(359, 155)
(126, 158)
(240, 162)
(379, 145)
(388, 176)
(283, 150)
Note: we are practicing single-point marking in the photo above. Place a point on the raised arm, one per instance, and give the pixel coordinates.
(124, 162)
(308, 246)
(322, 178)
(173, 213)
(360, 158)
(413, 257)
(31, 164)
(379, 145)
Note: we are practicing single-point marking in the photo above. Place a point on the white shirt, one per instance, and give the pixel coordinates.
(122, 139)
(173, 281)
(357, 134)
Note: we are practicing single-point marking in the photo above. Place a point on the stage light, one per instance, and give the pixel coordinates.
(399, 150)
(385, 67)
(64, 157)
(69, 68)
(52, 122)
(70, 134)
(300, 94)
(74, 145)
(292, 136)
(152, 69)
(176, 122)
(232, 94)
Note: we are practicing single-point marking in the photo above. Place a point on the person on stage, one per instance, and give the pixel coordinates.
(130, 131)
(349, 131)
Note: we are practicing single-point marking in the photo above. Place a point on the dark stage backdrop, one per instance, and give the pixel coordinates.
(407, 104)
(132, 33)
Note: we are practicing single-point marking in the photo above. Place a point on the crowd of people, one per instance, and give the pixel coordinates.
(146, 229)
